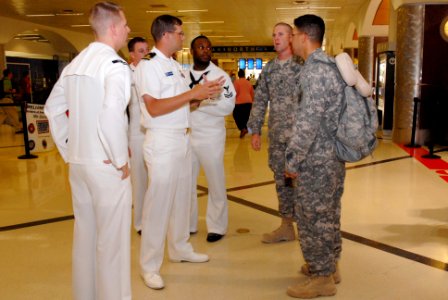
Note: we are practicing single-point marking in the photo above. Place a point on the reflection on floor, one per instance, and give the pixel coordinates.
(395, 223)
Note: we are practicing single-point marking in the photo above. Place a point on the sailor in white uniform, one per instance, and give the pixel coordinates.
(208, 137)
(138, 49)
(165, 107)
(87, 114)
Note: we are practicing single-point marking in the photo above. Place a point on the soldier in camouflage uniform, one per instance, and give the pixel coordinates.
(276, 86)
(311, 159)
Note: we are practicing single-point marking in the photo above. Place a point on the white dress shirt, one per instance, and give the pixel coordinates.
(96, 126)
(162, 77)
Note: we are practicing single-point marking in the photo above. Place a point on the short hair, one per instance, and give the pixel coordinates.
(197, 38)
(133, 41)
(6, 72)
(241, 73)
(312, 25)
(283, 24)
(102, 14)
(162, 24)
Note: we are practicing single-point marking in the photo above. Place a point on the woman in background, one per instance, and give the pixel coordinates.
(243, 103)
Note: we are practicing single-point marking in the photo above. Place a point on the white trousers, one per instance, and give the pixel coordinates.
(167, 203)
(139, 177)
(101, 240)
(208, 152)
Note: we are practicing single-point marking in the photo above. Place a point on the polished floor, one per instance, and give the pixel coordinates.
(394, 222)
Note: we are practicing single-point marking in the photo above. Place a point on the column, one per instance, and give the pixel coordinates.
(365, 57)
(410, 22)
(2, 58)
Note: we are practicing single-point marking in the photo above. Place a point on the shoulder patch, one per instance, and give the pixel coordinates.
(227, 93)
(119, 61)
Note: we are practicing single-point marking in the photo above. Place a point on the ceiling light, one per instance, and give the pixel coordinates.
(203, 22)
(28, 34)
(211, 22)
(68, 14)
(309, 8)
(175, 11)
(40, 15)
(192, 10)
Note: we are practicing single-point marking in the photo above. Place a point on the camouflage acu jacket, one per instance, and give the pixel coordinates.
(321, 92)
(277, 85)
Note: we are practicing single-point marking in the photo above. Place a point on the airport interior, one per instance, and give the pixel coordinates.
(394, 215)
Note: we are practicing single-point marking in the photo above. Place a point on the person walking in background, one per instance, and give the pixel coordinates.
(243, 103)
(208, 138)
(9, 114)
(25, 87)
(95, 88)
(277, 87)
(311, 160)
(165, 98)
(138, 49)
(8, 89)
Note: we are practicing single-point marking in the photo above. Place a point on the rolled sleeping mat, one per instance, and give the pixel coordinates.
(351, 75)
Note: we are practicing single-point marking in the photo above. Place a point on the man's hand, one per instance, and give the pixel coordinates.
(195, 103)
(291, 175)
(208, 89)
(125, 169)
(256, 142)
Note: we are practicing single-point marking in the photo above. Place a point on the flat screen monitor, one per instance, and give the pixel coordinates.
(242, 63)
(250, 63)
(258, 64)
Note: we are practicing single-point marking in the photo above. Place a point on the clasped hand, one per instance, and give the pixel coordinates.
(208, 89)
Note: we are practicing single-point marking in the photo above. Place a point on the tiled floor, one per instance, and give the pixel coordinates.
(394, 219)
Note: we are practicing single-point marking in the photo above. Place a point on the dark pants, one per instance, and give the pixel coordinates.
(241, 114)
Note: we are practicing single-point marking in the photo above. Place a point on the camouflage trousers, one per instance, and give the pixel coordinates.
(318, 214)
(285, 194)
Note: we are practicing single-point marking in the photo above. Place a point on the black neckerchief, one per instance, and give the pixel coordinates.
(194, 81)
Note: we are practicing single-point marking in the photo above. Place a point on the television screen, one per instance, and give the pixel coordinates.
(250, 63)
(258, 64)
(242, 64)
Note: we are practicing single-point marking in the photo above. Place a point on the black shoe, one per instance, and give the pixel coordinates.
(243, 133)
(214, 237)
(139, 232)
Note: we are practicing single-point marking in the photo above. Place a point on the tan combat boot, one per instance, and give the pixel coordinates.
(284, 233)
(313, 287)
(305, 269)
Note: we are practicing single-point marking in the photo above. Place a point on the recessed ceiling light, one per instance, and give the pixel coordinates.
(40, 15)
(203, 22)
(69, 14)
(65, 13)
(309, 7)
(175, 11)
(192, 10)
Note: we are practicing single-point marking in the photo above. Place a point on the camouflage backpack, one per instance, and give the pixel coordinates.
(358, 121)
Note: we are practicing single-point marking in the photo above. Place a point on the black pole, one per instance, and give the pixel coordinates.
(412, 144)
(27, 154)
(431, 154)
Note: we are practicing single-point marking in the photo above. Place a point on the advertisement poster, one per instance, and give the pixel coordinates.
(39, 137)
